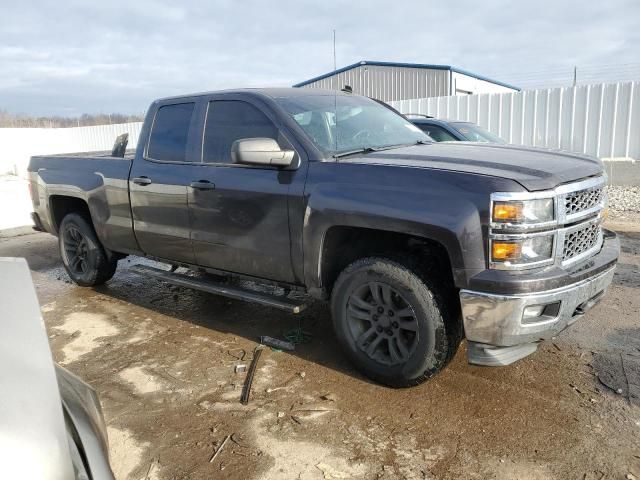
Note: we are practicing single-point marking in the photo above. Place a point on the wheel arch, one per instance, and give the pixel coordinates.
(61, 205)
(342, 245)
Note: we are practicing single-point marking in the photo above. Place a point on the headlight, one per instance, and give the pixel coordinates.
(522, 233)
(525, 251)
(525, 212)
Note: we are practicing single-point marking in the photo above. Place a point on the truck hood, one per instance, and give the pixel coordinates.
(534, 168)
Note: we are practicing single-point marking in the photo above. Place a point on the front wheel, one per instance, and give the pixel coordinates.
(83, 256)
(392, 325)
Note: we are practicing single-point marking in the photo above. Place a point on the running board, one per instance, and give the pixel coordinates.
(211, 286)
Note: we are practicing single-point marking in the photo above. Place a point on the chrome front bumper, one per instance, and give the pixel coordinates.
(498, 334)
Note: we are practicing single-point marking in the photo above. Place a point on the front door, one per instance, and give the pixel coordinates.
(159, 182)
(239, 219)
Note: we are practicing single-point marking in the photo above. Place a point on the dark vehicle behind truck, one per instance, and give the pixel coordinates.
(441, 130)
(416, 244)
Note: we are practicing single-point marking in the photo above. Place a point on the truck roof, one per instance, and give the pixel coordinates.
(276, 92)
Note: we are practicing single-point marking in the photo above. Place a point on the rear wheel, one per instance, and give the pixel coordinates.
(391, 322)
(83, 256)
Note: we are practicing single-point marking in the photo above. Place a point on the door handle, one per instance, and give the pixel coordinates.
(142, 181)
(202, 185)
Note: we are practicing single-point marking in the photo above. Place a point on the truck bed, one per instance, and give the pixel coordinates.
(98, 179)
(95, 154)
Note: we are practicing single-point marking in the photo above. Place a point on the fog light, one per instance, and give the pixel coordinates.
(533, 311)
(541, 313)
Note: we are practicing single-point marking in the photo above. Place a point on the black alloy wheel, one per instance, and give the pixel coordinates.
(392, 318)
(84, 258)
(76, 250)
(383, 323)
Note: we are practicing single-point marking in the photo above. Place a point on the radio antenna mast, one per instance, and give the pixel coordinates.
(334, 51)
(335, 94)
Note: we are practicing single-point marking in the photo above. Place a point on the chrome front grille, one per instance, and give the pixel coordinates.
(580, 241)
(582, 235)
(583, 200)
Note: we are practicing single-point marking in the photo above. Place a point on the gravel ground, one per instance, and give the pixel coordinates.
(624, 199)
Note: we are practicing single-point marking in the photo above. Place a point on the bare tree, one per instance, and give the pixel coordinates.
(9, 120)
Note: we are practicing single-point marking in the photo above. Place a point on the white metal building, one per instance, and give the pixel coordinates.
(390, 81)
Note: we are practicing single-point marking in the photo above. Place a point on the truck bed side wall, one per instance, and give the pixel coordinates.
(100, 181)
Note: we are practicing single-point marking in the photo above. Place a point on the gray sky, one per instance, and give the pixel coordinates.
(71, 57)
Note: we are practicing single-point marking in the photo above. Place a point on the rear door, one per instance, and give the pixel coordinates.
(242, 224)
(159, 182)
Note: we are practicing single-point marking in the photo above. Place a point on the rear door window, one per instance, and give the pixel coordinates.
(231, 120)
(170, 131)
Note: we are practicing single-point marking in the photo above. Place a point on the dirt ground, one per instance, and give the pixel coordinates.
(162, 359)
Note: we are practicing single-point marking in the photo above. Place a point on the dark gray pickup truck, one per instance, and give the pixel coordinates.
(416, 244)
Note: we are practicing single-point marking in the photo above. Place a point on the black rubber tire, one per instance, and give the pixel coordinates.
(100, 268)
(438, 335)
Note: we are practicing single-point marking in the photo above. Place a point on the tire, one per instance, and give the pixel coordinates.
(83, 256)
(412, 338)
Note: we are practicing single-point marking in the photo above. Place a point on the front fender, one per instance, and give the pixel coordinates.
(450, 208)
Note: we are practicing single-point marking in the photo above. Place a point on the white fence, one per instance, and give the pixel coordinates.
(17, 145)
(601, 119)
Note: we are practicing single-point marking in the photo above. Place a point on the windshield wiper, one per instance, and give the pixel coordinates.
(354, 152)
(377, 149)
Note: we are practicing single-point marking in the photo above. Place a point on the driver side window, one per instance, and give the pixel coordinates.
(231, 120)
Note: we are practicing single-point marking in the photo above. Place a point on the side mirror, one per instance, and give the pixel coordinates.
(260, 151)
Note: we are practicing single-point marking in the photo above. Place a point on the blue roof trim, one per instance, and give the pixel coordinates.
(406, 65)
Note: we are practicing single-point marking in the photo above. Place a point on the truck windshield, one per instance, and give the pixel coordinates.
(345, 123)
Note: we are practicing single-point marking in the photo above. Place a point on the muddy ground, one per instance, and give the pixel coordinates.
(162, 359)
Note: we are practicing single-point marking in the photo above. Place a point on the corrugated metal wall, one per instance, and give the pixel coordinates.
(389, 83)
(601, 119)
(19, 144)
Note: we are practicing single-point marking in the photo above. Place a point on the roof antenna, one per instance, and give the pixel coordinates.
(334, 51)
(335, 95)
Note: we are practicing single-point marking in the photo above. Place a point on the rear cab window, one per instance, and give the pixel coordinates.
(170, 132)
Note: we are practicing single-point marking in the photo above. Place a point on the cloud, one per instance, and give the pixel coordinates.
(77, 56)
